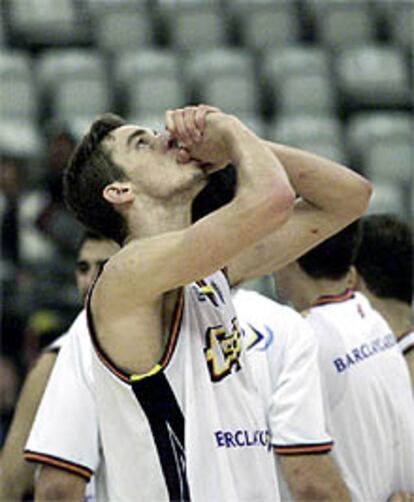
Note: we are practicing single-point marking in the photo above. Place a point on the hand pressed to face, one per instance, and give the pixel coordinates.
(201, 132)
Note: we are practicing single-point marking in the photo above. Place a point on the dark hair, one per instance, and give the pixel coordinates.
(88, 172)
(219, 191)
(385, 257)
(332, 258)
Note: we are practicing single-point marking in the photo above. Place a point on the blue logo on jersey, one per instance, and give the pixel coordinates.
(256, 338)
(363, 352)
(242, 438)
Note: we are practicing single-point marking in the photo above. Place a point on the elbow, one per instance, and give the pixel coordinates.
(282, 202)
(364, 196)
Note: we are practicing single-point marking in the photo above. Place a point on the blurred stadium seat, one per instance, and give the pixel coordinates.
(390, 160)
(344, 23)
(20, 138)
(373, 75)
(47, 22)
(388, 198)
(366, 129)
(300, 129)
(74, 82)
(192, 25)
(18, 92)
(264, 24)
(125, 27)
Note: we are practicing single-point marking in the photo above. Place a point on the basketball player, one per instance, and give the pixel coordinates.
(138, 187)
(16, 475)
(368, 399)
(282, 352)
(384, 266)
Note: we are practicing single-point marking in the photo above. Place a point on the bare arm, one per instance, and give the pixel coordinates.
(56, 484)
(331, 197)
(16, 476)
(313, 477)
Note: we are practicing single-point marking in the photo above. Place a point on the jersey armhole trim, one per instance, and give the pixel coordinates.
(408, 349)
(303, 449)
(59, 463)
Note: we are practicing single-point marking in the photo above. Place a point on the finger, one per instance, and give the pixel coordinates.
(191, 125)
(201, 114)
(169, 122)
(180, 126)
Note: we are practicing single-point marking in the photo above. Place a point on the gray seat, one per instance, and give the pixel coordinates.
(122, 28)
(264, 24)
(390, 161)
(373, 75)
(301, 129)
(203, 65)
(57, 65)
(400, 20)
(344, 23)
(18, 94)
(146, 63)
(280, 66)
(306, 94)
(20, 138)
(231, 93)
(81, 97)
(388, 198)
(151, 95)
(368, 128)
(47, 21)
(194, 25)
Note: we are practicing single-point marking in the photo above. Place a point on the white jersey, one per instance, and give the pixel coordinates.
(65, 431)
(406, 342)
(197, 414)
(57, 344)
(283, 352)
(368, 397)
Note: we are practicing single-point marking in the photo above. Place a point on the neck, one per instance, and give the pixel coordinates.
(316, 288)
(150, 217)
(398, 314)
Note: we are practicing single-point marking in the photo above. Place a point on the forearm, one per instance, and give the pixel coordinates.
(323, 182)
(313, 477)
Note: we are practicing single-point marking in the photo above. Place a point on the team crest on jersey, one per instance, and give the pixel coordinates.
(223, 350)
(205, 291)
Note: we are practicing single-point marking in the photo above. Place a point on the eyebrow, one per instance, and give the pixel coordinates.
(135, 134)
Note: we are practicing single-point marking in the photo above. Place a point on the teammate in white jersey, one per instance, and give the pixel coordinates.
(16, 475)
(156, 383)
(368, 399)
(384, 267)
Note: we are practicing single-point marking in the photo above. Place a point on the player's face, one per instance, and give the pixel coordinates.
(151, 161)
(92, 256)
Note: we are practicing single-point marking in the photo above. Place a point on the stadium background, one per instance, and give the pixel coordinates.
(332, 76)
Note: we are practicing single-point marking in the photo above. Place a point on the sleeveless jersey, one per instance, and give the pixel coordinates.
(194, 427)
(368, 397)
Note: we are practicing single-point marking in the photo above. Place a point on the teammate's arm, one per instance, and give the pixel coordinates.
(313, 477)
(263, 202)
(56, 484)
(330, 196)
(16, 475)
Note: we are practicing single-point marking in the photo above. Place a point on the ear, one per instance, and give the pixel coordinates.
(353, 279)
(118, 193)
